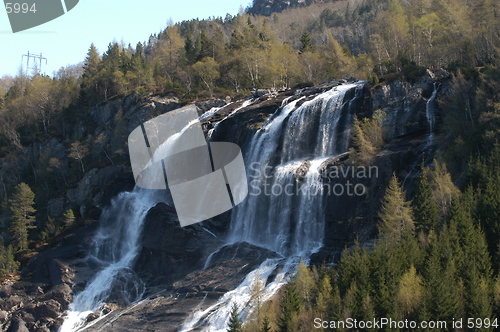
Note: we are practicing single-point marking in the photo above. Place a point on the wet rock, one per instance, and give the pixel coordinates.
(206, 105)
(167, 310)
(93, 316)
(168, 251)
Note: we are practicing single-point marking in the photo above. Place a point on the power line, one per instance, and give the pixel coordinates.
(35, 57)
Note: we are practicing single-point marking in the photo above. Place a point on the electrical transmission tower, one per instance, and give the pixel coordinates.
(35, 57)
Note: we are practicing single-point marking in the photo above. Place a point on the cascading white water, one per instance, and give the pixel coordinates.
(286, 155)
(115, 247)
(283, 211)
(430, 113)
(243, 105)
(296, 139)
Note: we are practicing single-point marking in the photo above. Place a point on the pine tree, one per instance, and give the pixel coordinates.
(443, 289)
(8, 263)
(323, 301)
(90, 85)
(190, 49)
(290, 307)
(205, 47)
(235, 324)
(305, 282)
(396, 215)
(473, 258)
(410, 293)
(266, 325)
(306, 41)
(23, 215)
(424, 206)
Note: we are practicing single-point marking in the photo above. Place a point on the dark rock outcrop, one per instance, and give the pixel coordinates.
(168, 309)
(268, 7)
(168, 251)
(97, 188)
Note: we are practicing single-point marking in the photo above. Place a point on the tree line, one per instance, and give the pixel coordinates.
(436, 259)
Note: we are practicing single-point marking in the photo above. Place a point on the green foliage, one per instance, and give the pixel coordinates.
(424, 206)
(446, 274)
(290, 307)
(235, 324)
(68, 219)
(307, 45)
(396, 215)
(8, 264)
(410, 293)
(411, 70)
(368, 138)
(266, 325)
(23, 215)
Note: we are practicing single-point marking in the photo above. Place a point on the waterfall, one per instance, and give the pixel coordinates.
(114, 247)
(286, 155)
(116, 244)
(430, 112)
(284, 209)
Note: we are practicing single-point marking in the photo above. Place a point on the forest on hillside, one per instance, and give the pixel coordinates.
(438, 254)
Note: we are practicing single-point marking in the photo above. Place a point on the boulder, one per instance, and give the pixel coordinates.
(4, 315)
(206, 105)
(47, 309)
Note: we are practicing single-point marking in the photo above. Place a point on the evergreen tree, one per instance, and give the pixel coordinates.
(290, 307)
(443, 290)
(396, 215)
(89, 82)
(410, 293)
(8, 263)
(323, 301)
(205, 47)
(190, 49)
(266, 325)
(235, 324)
(307, 45)
(424, 206)
(362, 151)
(23, 215)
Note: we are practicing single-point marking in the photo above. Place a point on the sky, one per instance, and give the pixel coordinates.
(66, 39)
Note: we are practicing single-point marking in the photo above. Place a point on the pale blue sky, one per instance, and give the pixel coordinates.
(66, 39)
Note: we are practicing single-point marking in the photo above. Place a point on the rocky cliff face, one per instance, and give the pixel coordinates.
(171, 258)
(268, 7)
